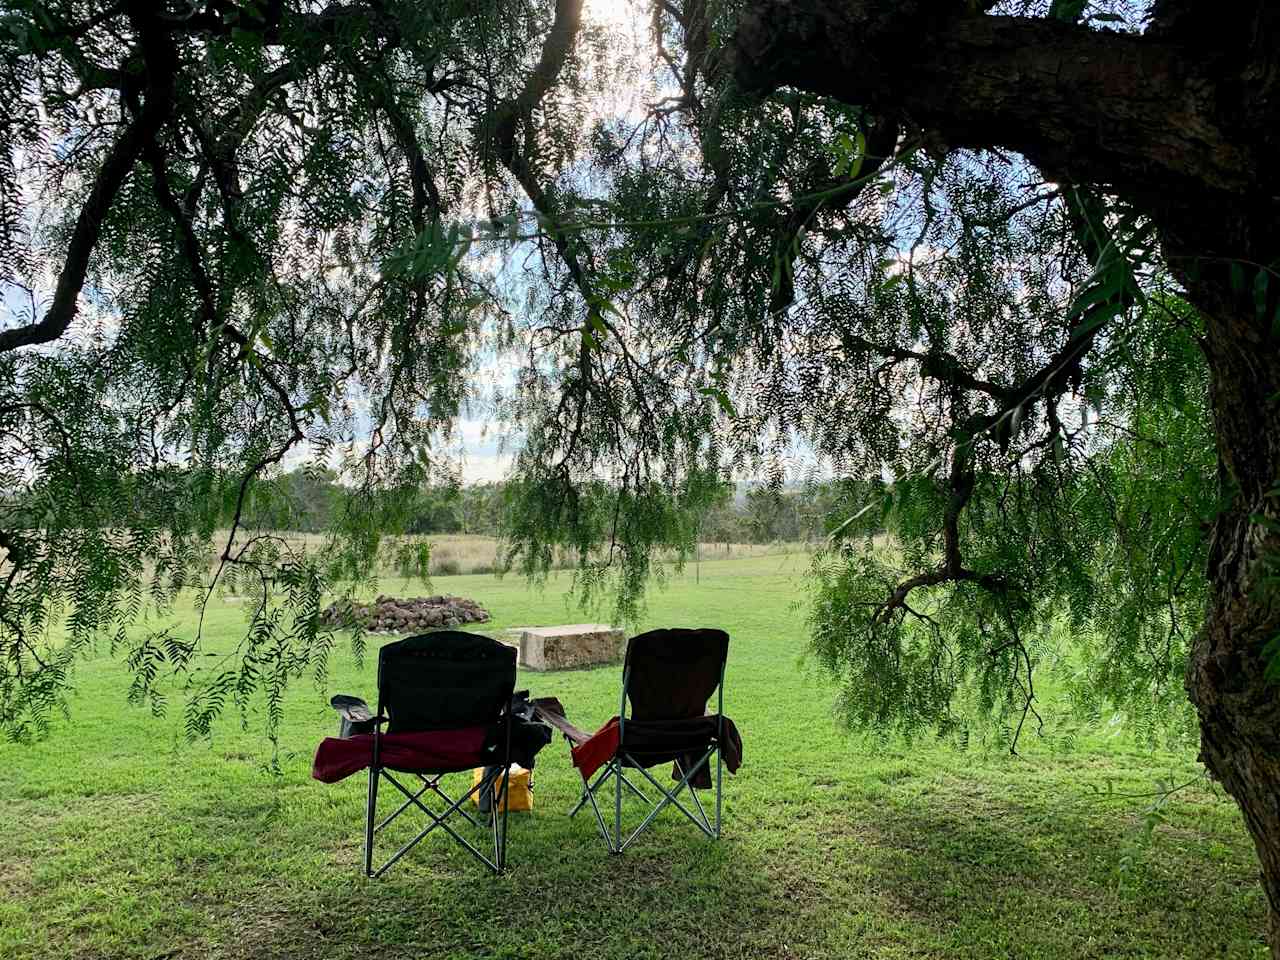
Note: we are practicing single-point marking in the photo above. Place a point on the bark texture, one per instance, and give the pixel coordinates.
(1239, 708)
(1183, 121)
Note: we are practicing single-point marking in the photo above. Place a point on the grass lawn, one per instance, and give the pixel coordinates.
(120, 839)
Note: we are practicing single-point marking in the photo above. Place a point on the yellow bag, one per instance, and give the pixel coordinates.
(519, 790)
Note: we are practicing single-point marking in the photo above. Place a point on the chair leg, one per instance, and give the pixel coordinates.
(669, 797)
(590, 795)
(591, 787)
(632, 787)
(587, 790)
(437, 820)
(506, 807)
(494, 800)
(617, 807)
(498, 798)
(693, 794)
(371, 809)
(433, 784)
(719, 784)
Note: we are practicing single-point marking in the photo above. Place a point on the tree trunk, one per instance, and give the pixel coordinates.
(1239, 716)
(1238, 706)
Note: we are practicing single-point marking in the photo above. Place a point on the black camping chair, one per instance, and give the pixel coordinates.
(442, 681)
(668, 677)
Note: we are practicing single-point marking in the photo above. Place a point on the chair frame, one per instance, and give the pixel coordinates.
(497, 825)
(614, 769)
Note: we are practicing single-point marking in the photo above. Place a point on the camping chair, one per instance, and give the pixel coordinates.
(445, 699)
(667, 677)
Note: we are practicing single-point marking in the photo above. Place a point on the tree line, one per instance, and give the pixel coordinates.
(754, 512)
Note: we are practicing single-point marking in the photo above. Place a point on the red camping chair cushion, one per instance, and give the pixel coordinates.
(423, 751)
(651, 742)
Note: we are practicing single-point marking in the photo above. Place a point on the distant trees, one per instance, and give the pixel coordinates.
(307, 500)
(311, 496)
(762, 513)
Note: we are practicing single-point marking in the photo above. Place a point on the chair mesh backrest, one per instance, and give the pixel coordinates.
(444, 680)
(674, 672)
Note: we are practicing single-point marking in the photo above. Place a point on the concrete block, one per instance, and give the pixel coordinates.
(571, 645)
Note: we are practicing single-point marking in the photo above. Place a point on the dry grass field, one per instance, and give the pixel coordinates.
(460, 553)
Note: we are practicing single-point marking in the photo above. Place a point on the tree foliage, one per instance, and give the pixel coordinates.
(289, 266)
(294, 265)
(231, 242)
(1007, 270)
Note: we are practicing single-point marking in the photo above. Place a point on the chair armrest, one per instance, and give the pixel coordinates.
(354, 716)
(550, 710)
(351, 708)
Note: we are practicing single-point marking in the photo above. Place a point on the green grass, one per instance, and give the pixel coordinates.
(120, 839)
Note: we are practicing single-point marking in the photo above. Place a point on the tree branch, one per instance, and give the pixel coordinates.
(500, 126)
(824, 194)
(161, 66)
(1069, 97)
(952, 568)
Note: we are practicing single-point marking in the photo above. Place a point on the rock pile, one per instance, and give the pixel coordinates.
(391, 615)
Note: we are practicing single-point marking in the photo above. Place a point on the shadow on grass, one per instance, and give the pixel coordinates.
(955, 874)
(979, 875)
(563, 895)
(916, 867)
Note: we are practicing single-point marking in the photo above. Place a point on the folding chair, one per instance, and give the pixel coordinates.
(445, 699)
(668, 676)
